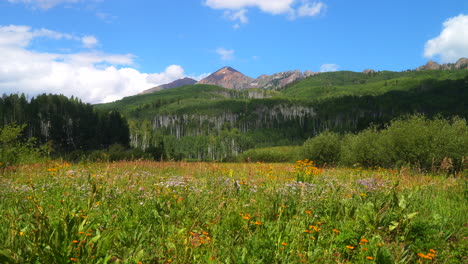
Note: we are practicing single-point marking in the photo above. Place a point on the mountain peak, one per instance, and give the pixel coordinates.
(228, 77)
(462, 63)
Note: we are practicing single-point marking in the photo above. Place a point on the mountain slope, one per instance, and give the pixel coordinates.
(174, 84)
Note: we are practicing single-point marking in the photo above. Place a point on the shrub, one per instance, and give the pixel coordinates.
(323, 149)
(367, 148)
(273, 154)
(13, 150)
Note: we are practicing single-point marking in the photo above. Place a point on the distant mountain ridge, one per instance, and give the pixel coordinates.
(280, 80)
(230, 78)
(174, 84)
(462, 63)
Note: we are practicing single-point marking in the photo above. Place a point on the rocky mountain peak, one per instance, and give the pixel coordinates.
(228, 77)
(462, 63)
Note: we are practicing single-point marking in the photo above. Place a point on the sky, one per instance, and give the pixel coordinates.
(103, 50)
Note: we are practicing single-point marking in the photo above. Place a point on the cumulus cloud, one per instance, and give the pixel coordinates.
(329, 68)
(452, 43)
(44, 4)
(225, 53)
(293, 8)
(94, 76)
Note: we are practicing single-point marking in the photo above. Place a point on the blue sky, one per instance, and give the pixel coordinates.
(102, 50)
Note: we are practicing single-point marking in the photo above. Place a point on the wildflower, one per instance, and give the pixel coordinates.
(212, 258)
(432, 251)
(308, 212)
(336, 231)
(258, 223)
(364, 249)
(421, 255)
(379, 244)
(284, 243)
(75, 241)
(314, 229)
(205, 233)
(364, 241)
(369, 258)
(73, 259)
(21, 233)
(350, 247)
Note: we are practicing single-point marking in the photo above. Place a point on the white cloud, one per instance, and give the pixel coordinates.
(44, 4)
(310, 9)
(329, 68)
(171, 73)
(225, 53)
(89, 41)
(268, 6)
(239, 15)
(200, 77)
(92, 76)
(452, 43)
(292, 8)
(106, 17)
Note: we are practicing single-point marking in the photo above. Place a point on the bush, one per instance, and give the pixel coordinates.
(367, 148)
(323, 149)
(13, 150)
(427, 143)
(273, 154)
(438, 144)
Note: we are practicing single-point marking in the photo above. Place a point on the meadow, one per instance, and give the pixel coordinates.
(180, 212)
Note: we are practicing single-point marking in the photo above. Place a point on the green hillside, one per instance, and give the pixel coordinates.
(213, 123)
(337, 84)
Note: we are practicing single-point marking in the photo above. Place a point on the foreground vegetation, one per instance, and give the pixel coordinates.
(177, 212)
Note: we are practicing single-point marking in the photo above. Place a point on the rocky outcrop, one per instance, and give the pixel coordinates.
(462, 64)
(174, 84)
(369, 71)
(459, 65)
(280, 80)
(430, 65)
(228, 77)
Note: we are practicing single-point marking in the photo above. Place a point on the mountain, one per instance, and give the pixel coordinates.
(174, 84)
(459, 65)
(228, 77)
(280, 80)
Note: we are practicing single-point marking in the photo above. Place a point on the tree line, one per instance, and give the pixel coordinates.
(65, 124)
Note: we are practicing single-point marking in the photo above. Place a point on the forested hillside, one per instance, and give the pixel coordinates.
(207, 122)
(65, 124)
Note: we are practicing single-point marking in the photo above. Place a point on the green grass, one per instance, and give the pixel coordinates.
(150, 212)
